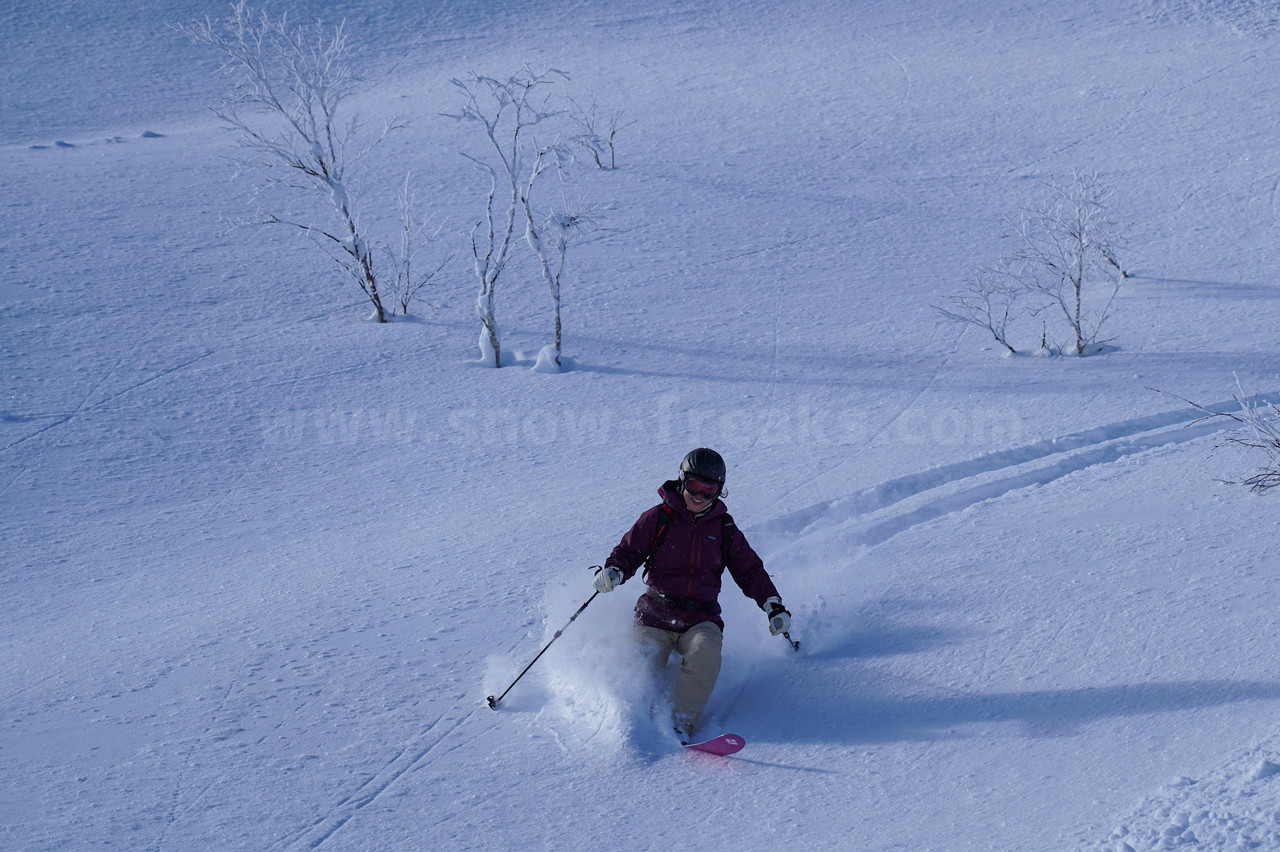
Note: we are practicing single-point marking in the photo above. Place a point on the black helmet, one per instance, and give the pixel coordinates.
(705, 464)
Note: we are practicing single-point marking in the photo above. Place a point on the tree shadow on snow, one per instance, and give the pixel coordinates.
(887, 627)
(872, 715)
(882, 641)
(1233, 290)
(834, 691)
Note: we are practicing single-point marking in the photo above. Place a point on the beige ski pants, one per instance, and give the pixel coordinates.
(699, 650)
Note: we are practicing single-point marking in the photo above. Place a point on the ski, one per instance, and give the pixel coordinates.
(723, 745)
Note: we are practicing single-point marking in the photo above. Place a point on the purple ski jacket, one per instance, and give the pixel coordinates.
(684, 576)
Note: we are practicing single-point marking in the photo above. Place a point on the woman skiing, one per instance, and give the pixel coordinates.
(684, 544)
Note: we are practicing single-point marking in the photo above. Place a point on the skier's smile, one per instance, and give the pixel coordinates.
(698, 493)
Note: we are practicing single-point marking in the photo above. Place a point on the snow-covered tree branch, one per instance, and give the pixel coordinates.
(549, 234)
(598, 133)
(507, 110)
(1258, 432)
(987, 302)
(1065, 259)
(289, 110)
(416, 233)
(1066, 251)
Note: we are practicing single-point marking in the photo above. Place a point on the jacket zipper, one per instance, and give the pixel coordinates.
(695, 551)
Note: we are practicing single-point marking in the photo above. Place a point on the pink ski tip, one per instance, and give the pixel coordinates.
(723, 745)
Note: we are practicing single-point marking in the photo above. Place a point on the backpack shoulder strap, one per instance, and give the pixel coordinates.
(659, 534)
(726, 538)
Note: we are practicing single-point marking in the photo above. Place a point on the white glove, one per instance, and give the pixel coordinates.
(607, 579)
(779, 618)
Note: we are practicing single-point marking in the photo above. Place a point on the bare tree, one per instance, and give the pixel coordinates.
(988, 302)
(1064, 262)
(1258, 431)
(289, 111)
(533, 234)
(1066, 251)
(406, 280)
(550, 234)
(507, 110)
(598, 134)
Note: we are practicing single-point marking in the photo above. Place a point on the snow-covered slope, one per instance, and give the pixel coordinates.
(263, 560)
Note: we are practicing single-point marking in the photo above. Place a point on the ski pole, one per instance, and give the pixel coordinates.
(795, 646)
(493, 702)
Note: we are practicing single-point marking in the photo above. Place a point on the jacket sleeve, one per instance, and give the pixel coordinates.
(747, 570)
(632, 551)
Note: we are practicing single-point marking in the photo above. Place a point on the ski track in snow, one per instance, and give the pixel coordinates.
(955, 487)
(414, 755)
(408, 758)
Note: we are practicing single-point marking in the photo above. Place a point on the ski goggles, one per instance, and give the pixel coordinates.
(701, 487)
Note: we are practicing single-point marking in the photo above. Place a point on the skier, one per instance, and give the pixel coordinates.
(685, 543)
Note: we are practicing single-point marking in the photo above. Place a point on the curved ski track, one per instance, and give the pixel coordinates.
(900, 504)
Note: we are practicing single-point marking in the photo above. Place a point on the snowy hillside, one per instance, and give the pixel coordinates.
(263, 559)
